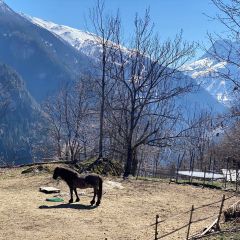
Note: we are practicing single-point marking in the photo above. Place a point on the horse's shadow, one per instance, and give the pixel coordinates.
(71, 206)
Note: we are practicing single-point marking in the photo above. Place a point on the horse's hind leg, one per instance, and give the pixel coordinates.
(95, 193)
(99, 200)
(77, 199)
(71, 193)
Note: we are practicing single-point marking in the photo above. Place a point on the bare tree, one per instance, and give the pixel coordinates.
(147, 82)
(53, 107)
(200, 138)
(228, 145)
(104, 28)
(227, 49)
(70, 119)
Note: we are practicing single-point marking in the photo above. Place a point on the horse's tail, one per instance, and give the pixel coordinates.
(100, 188)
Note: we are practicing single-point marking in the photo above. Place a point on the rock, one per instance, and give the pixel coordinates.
(36, 170)
(102, 166)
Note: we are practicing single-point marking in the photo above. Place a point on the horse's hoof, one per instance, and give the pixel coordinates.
(92, 202)
(70, 201)
(98, 203)
(77, 200)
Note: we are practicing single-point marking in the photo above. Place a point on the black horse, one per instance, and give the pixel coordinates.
(74, 181)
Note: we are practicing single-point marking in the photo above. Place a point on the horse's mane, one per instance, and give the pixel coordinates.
(67, 173)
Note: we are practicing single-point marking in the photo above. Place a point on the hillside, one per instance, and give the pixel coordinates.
(44, 60)
(21, 116)
(212, 71)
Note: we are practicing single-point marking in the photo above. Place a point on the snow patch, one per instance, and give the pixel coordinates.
(203, 67)
(205, 71)
(82, 41)
(112, 184)
(85, 42)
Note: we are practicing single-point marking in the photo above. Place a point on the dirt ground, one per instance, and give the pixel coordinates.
(127, 210)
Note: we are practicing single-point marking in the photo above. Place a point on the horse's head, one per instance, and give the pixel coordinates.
(56, 173)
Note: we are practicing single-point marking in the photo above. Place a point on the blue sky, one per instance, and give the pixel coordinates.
(169, 16)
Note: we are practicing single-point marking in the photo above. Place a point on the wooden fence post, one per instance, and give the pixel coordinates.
(190, 222)
(236, 177)
(226, 177)
(220, 213)
(204, 178)
(178, 163)
(214, 162)
(156, 227)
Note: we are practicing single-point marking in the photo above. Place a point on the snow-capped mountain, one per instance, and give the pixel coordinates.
(44, 60)
(205, 71)
(88, 44)
(211, 70)
(84, 42)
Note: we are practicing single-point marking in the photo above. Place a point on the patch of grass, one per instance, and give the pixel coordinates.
(153, 179)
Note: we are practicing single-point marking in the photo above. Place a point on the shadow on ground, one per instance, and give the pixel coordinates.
(200, 185)
(71, 206)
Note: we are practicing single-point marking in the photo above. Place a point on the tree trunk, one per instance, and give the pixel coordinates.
(85, 150)
(102, 109)
(134, 163)
(72, 154)
(59, 150)
(128, 164)
(100, 154)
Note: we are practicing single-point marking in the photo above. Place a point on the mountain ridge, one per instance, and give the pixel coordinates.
(42, 59)
(85, 42)
(75, 40)
(213, 67)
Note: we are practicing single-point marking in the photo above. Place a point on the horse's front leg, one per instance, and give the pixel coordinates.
(71, 193)
(99, 200)
(77, 199)
(95, 193)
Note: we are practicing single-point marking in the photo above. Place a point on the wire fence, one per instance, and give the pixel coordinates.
(189, 219)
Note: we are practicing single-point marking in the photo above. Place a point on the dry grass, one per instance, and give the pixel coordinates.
(127, 209)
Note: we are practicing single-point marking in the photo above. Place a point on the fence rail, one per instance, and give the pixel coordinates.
(158, 222)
